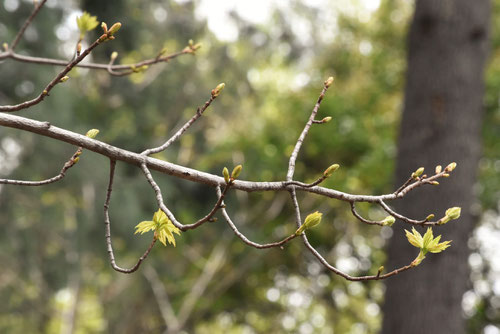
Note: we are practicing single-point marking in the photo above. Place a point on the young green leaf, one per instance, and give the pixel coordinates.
(162, 226)
(85, 23)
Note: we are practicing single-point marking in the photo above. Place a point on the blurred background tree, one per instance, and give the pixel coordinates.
(273, 59)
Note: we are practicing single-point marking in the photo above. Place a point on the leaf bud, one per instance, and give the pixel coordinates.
(429, 217)
(326, 119)
(380, 269)
(5, 46)
(453, 213)
(64, 78)
(417, 173)
(218, 89)
(388, 221)
(434, 183)
(446, 175)
(114, 28)
(104, 27)
(330, 170)
(79, 47)
(438, 169)
(225, 173)
(236, 171)
(311, 220)
(92, 133)
(328, 82)
(450, 167)
(114, 55)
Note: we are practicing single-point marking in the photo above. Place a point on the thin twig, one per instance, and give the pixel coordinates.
(390, 211)
(298, 145)
(107, 228)
(199, 112)
(248, 241)
(26, 24)
(70, 163)
(116, 69)
(51, 84)
(364, 220)
(159, 198)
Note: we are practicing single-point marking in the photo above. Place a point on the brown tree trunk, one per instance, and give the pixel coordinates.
(441, 123)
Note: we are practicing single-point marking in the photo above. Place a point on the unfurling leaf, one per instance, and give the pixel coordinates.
(162, 226)
(388, 221)
(453, 213)
(86, 22)
(92, 133)
(311, 220)
(415, 238)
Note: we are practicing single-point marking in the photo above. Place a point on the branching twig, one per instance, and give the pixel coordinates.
(26, 24)
(298, 144)
(364, 220)
(51, 84)
(423, 222)
(107, 227)
(70, 163)
(199, 112)
(248, 241)
(118, 70)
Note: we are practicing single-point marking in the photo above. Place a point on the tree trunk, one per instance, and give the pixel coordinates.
(441, 123)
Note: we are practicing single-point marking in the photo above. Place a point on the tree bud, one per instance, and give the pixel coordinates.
(114, 28)
(114, 55)
(92, 133)
(64, 78)
(438, 169)
(218, 89)
(311, 220)
(326, 119)
(450, 167)
(225, 173)
(236, 171)
(453, 213)
(417, 173)
(328, 82)
(388, 221)
(330, 170)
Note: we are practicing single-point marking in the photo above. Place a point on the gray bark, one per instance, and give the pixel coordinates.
(441, 123)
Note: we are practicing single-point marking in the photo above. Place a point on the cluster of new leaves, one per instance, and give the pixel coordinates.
(162, 226)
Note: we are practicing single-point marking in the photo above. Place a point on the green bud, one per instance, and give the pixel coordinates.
(328, 82)
(64, 78)
(311, 220)
(92, 133)
(236, 171)
(450, 167)
(446, 175)
(114, 55)
(430, 217)
(434, 183)
(438, 169)
(114, 28)
(326, 119)
(104, 27)
(418, 260)
(218, 89)
(417, 173)
(225, 172)
(5, 46)
(330, 170)
(388, 221)
(453, 213)
(75, 160)
(380, 269)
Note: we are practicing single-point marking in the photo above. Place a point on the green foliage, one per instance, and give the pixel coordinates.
(163, 227)
(86, 23)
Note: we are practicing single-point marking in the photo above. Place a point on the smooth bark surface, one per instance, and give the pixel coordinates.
(441, 123)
